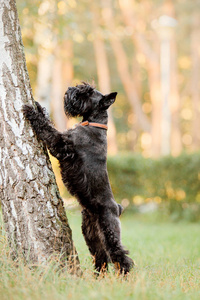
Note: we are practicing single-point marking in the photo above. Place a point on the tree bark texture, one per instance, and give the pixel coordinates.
(33, 211)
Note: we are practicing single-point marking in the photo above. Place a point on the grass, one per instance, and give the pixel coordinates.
(167, 257)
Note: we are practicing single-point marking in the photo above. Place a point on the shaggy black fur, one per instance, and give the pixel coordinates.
(82, 153)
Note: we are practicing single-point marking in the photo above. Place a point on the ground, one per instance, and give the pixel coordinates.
(167, 256)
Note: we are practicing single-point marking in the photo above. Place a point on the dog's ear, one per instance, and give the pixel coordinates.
(108, 100)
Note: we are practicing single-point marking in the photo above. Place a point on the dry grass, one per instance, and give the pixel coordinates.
(167, 257)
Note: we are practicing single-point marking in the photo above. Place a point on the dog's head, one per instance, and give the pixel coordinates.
(84, 100)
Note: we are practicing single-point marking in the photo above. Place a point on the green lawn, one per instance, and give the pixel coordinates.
(167, 257)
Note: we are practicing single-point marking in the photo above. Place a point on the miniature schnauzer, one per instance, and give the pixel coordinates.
(82, 154)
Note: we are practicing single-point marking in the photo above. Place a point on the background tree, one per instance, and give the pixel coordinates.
(123, 69)
(132, 49)
(103, 73)
(33, 211)
(195, 78)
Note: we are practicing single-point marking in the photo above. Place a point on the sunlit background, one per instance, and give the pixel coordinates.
(149, 52)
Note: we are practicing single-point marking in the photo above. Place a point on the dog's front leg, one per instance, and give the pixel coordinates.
(44, 130)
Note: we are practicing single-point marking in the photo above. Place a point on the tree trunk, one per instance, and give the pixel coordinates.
(122, 65)
(62, 77)
(103, 78)
(195, 79)
(46, 39)
(176, 144)
(44, 78)
(57, 103)
(44, 67)
(153, 69)
(33, 211)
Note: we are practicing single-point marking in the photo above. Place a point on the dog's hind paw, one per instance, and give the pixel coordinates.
(125, 265)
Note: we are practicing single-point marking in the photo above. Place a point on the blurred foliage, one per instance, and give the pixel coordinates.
(171, 182)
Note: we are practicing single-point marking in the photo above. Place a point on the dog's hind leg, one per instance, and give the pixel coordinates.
(110, 226)
(94, 240)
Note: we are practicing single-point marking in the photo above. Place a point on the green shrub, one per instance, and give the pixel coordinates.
(172, 182)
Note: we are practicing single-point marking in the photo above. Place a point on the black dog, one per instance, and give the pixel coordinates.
(82, 154)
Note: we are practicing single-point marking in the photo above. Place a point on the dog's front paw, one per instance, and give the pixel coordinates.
(29, 111)
(33, 113)
(41, 110)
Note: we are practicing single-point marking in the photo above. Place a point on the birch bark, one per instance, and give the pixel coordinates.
(33, 211)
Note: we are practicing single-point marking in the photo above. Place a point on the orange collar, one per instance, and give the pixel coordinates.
(86, 123)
